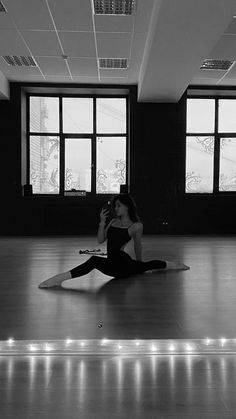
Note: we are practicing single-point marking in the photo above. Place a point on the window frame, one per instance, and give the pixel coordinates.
(217, 136)
(62, 138)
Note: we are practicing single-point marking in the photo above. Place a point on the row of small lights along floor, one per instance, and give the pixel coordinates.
(111, 346)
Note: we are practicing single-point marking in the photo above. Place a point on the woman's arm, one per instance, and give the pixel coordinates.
(102, 231)
(137, 235)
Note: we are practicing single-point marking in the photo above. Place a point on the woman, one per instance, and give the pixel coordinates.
(124, 226)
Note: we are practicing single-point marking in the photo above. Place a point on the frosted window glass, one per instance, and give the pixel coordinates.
(111, 116)
(44, 114)
(200, 115)
(77, 115)
(78, 164)
(199, 164)
(227, 115)
(227, 164)
(111, 164)
(44, 164)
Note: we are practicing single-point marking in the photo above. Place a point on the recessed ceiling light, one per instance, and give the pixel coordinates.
(210, 64)
(113, 63)
(114, 7)
(20, 61)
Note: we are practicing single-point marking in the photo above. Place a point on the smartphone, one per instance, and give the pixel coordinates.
(107, 206)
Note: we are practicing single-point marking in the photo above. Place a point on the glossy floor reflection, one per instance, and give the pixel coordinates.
(118, 387)
(162, 305)
(192, 304)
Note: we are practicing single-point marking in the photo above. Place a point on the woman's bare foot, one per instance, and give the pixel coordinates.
(176, 265)
(55, 280)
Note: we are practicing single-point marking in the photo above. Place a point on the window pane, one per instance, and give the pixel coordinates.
(78, 164)
(227, 115)
(44, 164)
(227, 164)
(77, 115)
(44, 114)
(111, 164)
(111, 116)
(200, 115)
(199, 164)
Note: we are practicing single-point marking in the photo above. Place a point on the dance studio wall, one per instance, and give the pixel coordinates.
(157, 172)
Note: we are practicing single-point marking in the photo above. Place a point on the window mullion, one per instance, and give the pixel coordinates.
(62, 150)
(216, 150)
(94, 148)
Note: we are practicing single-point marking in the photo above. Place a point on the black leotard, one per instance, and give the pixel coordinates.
(118, 263)
(116, 238)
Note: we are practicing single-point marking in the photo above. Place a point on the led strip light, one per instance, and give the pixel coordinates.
(117, 347)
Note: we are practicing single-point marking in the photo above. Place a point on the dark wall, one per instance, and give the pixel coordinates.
(157, 159)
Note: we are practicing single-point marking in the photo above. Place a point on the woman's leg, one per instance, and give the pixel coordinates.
(153, 265)
(55, 280)
(100, 263)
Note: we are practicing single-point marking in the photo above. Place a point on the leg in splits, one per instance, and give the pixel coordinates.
(153, 265)
(104, 265)
(122, 266)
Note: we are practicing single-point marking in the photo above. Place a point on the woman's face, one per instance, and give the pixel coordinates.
(120, 209)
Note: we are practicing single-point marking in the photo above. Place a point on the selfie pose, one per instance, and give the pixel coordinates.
(123, 226)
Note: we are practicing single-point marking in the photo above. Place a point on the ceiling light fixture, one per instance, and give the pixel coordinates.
(211, 64)
(20, 61)
(113, 63)
(114, 7)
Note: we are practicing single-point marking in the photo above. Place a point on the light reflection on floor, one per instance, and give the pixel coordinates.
(119, 384)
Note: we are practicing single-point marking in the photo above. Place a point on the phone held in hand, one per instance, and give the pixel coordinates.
(107, 207)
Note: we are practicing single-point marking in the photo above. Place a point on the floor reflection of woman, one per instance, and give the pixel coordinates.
(124, 226)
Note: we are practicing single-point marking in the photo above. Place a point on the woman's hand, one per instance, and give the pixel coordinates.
(103, 215)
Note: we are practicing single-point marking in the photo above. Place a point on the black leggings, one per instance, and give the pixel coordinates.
(120, 266)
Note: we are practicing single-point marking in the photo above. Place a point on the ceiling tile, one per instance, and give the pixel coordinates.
(210, 74)
(58, 79)
(112, 45)
(78, 44)
(134, 69)
(113, 73)
(42, 43)
(53, 66)
(83, 66)
(114, 80)
(225, 49)
(85, 79)
(29, 14)
(143, 15)
(72, 14)
(114, 23)
(27, 78)
(11, 43)
(138, 45)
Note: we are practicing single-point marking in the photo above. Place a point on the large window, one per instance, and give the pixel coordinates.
(211, 145)
(77, 144)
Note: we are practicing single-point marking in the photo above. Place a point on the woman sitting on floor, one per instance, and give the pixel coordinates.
(124, 226)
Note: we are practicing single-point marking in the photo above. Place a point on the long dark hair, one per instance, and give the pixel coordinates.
(129, 202)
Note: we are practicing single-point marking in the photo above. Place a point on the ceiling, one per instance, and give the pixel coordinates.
(165, 42)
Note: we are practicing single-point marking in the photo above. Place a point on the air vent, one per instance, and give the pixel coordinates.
(2, 8)
(113, 63)
(216, 65)
(114, 7)
(21, 61)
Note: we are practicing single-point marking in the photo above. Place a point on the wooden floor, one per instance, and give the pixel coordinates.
(197, 303)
